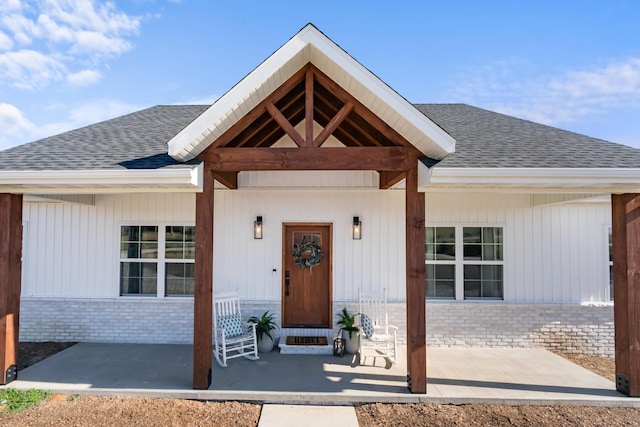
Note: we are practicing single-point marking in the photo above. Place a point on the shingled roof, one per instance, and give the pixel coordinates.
(134, 141)
(485, 139)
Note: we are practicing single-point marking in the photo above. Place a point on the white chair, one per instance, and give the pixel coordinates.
(232, 337)
(377, 336)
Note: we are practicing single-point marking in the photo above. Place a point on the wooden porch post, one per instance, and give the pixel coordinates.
(10, 276)
(203, 286)
(625, 214)
(416, 291)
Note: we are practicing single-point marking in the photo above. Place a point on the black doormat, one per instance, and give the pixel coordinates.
(306, 340)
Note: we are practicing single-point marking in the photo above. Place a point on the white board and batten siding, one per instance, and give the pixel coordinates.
(552, 253)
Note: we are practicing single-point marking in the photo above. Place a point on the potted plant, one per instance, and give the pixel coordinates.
(347, 323)
(264, 326)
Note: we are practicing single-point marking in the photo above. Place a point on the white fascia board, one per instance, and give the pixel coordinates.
(445, 142)
(197, 136)
(615, 179)
(101, 181)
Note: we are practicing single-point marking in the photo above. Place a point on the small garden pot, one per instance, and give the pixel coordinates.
(265, 344)
(351, 344)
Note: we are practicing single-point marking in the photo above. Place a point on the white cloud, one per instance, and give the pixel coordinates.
(18, 129)
(64, 35)
(559, 99)
(28, 69)
(15, 126)
(84, 78)
(5, 42)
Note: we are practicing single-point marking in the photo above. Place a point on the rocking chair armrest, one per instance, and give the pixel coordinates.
(395, 328)
(250, 325)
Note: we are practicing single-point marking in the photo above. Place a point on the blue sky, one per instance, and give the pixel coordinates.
(571, 64)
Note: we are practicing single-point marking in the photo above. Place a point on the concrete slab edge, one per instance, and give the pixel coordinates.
(324, 399)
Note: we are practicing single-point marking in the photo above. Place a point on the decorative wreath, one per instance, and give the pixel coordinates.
(307, 254)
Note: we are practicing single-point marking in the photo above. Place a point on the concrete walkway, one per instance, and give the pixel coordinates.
(311, 416)
(455, 375)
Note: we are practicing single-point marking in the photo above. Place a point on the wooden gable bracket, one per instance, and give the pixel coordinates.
(371, 144)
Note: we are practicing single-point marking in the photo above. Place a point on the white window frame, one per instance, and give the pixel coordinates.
(608, 230)
(460, 262)
(161, 261)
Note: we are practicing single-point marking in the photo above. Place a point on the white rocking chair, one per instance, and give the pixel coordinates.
(232, 337)
(377, 336)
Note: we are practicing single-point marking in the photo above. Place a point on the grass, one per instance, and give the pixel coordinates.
(12, 400)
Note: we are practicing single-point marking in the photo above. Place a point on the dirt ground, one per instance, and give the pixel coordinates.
(63, 410)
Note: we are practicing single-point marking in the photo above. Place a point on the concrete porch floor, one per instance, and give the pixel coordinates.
(455, 375)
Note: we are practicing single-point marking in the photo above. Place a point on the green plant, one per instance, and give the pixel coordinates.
(18, 400)
(347, 321)
(264, 325)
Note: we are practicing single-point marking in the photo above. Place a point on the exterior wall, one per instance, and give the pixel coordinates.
(555, 264)
(567, 328)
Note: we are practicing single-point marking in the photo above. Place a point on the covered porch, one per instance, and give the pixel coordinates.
(457, 376)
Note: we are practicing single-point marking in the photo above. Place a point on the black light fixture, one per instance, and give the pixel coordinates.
(257, 228)
(357, 228)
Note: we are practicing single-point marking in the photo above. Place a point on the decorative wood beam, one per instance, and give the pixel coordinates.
(333, 124)
(625, 215)
(259, 109)
(285, 125)
(316, 158)
(359, 108)
(389, 178)
(308, 105)
(228, 179)
(203, 285)
(416, 291)
(10, 277)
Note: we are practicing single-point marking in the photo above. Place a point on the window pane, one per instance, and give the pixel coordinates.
(430, 233)
(472, 289)
(440, 281)
(190, 251)
(179, 278)
(174, 250)
(473, 252)
(445, 234)
(180, 242)
(149, 250)
(472, 234)
(128, 233)
(149, 234)
(138, 278)
(445, 252)
(483, 281)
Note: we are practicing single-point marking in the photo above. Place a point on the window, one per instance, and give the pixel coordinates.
(156, 261)
(482, 262)
(464, 262)
(440, 248)
(610, 265)
(180, 248)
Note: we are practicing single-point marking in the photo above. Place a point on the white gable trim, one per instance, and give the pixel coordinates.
(310, 45)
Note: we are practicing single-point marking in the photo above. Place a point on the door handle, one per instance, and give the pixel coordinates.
(287, 275)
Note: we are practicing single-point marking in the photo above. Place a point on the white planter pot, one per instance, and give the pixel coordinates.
(265, 344)
(351, 344)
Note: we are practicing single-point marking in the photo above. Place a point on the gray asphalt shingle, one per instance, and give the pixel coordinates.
(485, 139)
(134, 141)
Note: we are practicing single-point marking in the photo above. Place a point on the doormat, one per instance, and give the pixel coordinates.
(306, 340)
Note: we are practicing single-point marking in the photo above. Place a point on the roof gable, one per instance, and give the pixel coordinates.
(311, 46)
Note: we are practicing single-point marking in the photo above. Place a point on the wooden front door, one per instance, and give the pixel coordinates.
(307, 266)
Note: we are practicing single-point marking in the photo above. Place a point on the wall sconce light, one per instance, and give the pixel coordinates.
(257, 228)
(357, 228)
